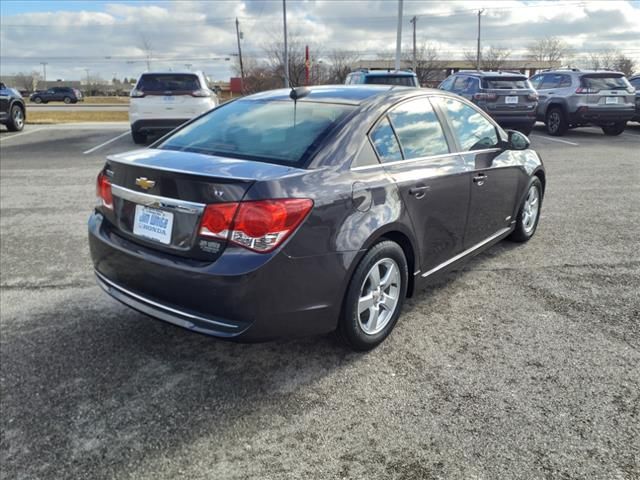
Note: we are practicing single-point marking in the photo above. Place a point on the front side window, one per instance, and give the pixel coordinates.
(418, 129)
(473, 130)
(268, 131)
(385, 142)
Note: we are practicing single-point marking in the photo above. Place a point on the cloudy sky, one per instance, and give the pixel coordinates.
(108, 37)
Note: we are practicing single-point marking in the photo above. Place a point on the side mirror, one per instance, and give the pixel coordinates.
(518, 140)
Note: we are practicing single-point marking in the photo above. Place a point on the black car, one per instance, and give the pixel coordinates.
(57, 94)
(635, 82)
(508, 97)
(12, 111)
(308, 211)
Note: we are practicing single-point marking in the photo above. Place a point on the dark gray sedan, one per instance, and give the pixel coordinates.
(309, 211)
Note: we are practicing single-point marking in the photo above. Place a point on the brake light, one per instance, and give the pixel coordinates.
(489, 97)
(103, 191)
(586, 90)
(203, 92)
(532, 97)
(135, 93)
(259, 225)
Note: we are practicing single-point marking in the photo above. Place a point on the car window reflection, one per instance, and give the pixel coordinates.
(418, 129)
(474, 132)
(385, 142)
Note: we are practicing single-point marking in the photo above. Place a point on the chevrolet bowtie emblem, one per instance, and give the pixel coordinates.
(144, 182)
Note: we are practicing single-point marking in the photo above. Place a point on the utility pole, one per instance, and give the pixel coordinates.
(44, 71)
(399, 37)
(286, 48)
(239, 50)
(307, 65)
(88, 86)
(479, 52)
(415, 63)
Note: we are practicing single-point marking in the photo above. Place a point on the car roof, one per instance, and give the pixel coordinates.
(347, 94)
(175, 72)
(582, 72)
(500, 73)
(386, 73)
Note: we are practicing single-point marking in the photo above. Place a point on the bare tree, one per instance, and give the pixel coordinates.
(340, 65)
(549, 51)
(274, 53)
(27, 81)
(624, 64)
(604, 60)
(145, 45)
(491, 58)
(427, 66)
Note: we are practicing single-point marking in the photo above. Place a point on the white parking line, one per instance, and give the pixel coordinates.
(97, 147)
(557, 140)
(5, 138)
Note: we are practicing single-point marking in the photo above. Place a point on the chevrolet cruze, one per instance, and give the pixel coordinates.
(306, 211)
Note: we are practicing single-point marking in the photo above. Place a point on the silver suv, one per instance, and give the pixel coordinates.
(575, 98)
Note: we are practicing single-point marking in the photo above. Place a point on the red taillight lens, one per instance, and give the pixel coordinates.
(103, 191)
(258, 225)
(203, 92)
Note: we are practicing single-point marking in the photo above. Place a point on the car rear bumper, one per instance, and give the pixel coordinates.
(602, 115)
(153, 125)
(242, 295)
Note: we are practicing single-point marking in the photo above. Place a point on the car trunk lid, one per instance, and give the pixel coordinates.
(508, 94)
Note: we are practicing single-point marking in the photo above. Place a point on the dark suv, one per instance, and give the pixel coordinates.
(508, 97)
(404, 78)
(57, 94)
(571, 98)
(635, 83)
(12, 111)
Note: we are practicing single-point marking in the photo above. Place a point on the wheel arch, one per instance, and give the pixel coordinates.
(542, 177)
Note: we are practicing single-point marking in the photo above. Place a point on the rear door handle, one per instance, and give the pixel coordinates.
(480, 179)
(419, 190)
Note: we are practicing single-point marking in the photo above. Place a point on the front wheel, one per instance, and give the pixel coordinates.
(615, 129)
(529, 213)
(37, 100)
(16, 119)
(67, 100)
(375, 297)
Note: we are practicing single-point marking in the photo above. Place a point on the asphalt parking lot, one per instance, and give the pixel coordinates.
(523, 365)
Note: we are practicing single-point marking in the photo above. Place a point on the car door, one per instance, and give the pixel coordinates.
(492, 177)
(4, 101)
(415, 152)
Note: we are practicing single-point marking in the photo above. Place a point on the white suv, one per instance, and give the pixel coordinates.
(164, 100)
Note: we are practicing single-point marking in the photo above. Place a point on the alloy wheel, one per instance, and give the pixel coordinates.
(531, 209)
(379, 296)
(554, 121)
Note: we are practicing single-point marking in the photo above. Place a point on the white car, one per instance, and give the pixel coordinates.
(161, 101)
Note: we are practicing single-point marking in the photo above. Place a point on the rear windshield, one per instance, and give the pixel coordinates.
(507, 83)
(605, 82)
(404, 80)
(268, 131)
(168, 82)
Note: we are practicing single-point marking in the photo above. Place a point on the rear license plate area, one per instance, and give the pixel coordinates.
(153, 224)
(511, 100)
(611, 100)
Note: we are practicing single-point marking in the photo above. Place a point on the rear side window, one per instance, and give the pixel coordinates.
(418, 129)
(447, 84)
(554, 80)
(605, 82)
(465, 84)
(473, 130)
(385, 142)
(168, 82)
(404, 80)
(268, 131)
(505, 83)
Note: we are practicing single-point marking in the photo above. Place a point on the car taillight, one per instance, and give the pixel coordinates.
(203, 92)
(586, 90)
(103, 191)
(532, 97)
(259, 225)
(489, 97)
(135, 93)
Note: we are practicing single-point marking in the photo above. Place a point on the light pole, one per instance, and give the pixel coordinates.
(44, 71)
(286, 48)
(399, 37)
(478, 53)
(414, 20)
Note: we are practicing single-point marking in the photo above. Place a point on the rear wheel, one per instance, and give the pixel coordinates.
(37, 100)
(529, 213)
(138, 137)
(16, 119)
(67, 100)
(375, 297)
(615, 129)
(556, 122)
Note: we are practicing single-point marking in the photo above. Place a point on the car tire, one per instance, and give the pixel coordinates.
(139, 138)
(37, 100)
(556, 122)
(15, 123)
(375, 296)
(528, 213)
(615, 129)
(67, 100)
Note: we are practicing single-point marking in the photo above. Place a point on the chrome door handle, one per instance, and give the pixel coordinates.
(479, 179)
(419, 190)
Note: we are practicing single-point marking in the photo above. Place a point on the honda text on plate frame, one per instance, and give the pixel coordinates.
(267, 217)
